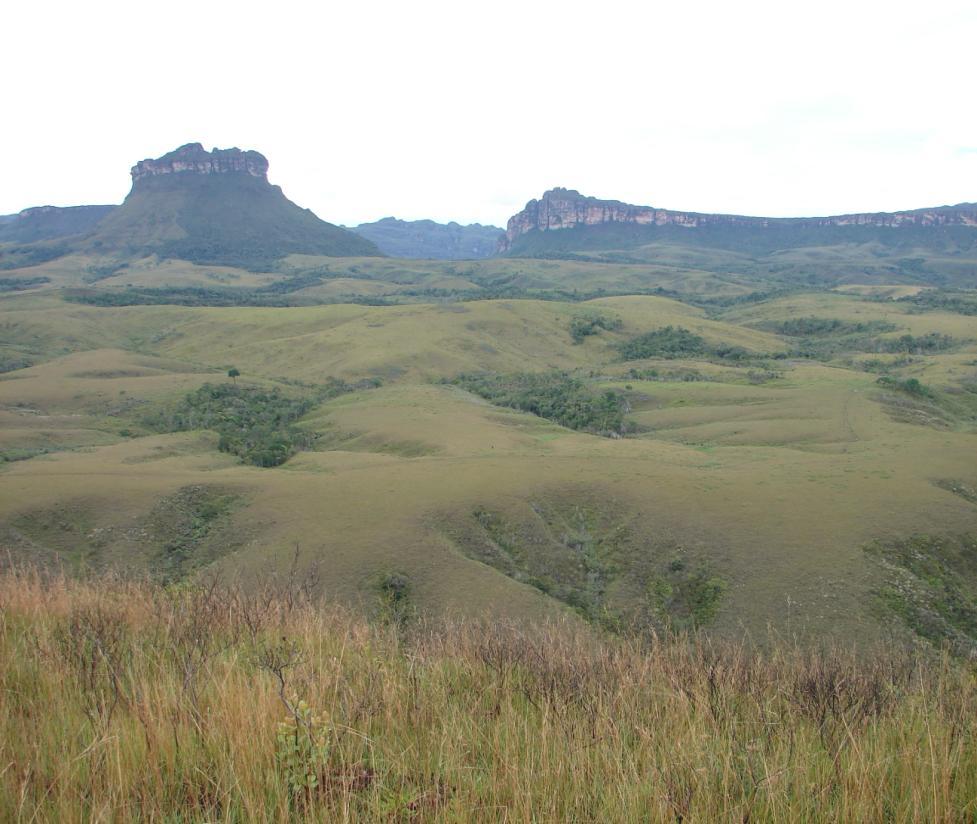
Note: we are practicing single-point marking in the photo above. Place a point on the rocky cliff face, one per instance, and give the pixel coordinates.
(195, 159)
(566, 208)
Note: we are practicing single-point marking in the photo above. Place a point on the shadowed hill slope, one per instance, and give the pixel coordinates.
(430, 240)
(49, 222)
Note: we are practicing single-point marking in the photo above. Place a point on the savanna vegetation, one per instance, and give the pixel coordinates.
(208, 702)
(256, 424)
(959, 301)
(584, 325)
(556, 396)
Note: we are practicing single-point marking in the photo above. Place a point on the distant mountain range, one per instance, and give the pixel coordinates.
(49, 222)
(218, 207)
(427, 239)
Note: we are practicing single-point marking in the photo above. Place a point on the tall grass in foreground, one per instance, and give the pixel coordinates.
(127, 701)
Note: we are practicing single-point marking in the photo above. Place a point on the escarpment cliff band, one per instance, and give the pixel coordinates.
(566, 208)
(192, 158)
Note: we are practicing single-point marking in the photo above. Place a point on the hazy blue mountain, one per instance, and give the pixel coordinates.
(427, 239)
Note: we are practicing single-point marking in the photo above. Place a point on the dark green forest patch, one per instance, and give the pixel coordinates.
(256, 424)
(556, 396)
(677, 342)
(821, 327)
(669, 342)
(591, 323)
(961, 302)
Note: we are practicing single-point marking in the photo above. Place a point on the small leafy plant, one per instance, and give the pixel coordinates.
(302, 748)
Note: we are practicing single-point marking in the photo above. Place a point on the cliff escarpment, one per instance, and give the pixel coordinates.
(192, 158)
(561, 209)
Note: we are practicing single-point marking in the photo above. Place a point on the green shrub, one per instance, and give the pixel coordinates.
(911, 386)
(583, 326)
(302, 749)
(917, 345)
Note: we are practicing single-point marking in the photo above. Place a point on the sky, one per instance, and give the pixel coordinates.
(464, 111)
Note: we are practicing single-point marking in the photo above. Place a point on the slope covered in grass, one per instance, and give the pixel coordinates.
(209, 702)
(747, 486)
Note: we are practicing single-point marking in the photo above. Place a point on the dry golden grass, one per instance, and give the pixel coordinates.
(124, 701)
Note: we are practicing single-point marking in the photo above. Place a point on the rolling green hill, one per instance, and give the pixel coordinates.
(767, 471)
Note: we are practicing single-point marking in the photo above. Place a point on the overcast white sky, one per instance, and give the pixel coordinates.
(464, 111)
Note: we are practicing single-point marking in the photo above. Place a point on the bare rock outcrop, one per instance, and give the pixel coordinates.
(193, 158)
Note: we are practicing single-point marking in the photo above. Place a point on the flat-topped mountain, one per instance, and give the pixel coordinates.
(217, 207)
(434, 241)
(542, 226)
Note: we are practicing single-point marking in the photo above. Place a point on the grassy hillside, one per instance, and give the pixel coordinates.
(313, 279)
(942, 256)
(758, 465)
(210, 702)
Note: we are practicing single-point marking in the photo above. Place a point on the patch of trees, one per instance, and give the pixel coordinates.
(209, 296)
(13, 362)
(683, 375)
(20, 257)
(960, 302)
(19, 284)
(583, 326)
(669, 342)
(253, 423)
(174, 296)
(256, 424)
(916, 345)
(556, 396)
(677, 342)
(911, 386)
(854, 336)
(817, 327)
